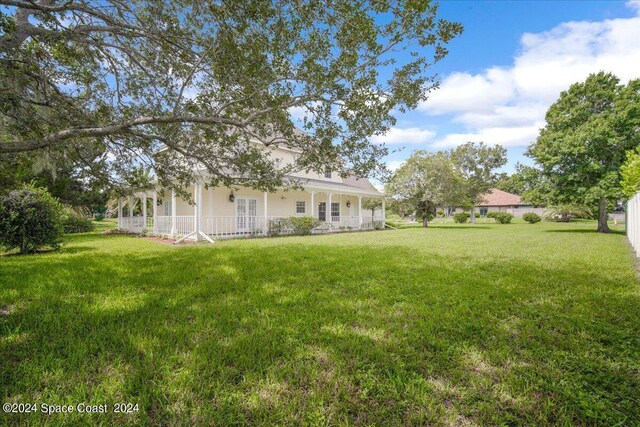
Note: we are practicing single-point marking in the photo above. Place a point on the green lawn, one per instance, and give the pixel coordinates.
(452, 325)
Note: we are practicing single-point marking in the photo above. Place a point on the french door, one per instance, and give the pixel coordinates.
(246, 213)
(322, 211)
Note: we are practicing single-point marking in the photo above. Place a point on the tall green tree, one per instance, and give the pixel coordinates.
(72, 185)
(513, 183)
(476, 163)
(208, 85)
(583, 145)
(630, 173)
(425, 182)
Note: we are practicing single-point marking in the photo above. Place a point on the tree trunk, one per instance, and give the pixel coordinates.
(473, 215)
(425, 222)
(603, 227)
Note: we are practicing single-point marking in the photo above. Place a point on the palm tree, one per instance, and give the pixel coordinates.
(565, 213)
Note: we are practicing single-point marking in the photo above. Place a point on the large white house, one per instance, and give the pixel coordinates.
(223, 213)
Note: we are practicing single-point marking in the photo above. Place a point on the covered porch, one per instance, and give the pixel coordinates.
(219, 213)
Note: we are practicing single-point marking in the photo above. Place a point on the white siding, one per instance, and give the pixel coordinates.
(632, 222)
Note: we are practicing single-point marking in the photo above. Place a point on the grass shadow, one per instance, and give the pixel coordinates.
(586, 231)
(307, 330)
(461, 226)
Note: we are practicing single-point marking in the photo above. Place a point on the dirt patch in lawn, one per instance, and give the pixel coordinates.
(168, 241)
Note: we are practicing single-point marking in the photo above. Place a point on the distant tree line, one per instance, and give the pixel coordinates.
(586, 159)
(458, 177)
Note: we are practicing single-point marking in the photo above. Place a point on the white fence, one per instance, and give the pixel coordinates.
(224, 227)
(633, 222)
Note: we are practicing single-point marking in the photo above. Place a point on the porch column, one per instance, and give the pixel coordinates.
(197, 209)
(313, 193)
(154, 210)
(265, 226)
(144, 210)
(173, 212)
(130, 203)
(328, 214)
(384, 214)
(360, 211)
(210, 202)
(119, 212)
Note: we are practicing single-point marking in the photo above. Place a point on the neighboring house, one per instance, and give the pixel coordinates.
(501, 201)
(223, 213)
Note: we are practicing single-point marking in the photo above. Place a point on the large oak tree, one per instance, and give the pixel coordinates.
(107, 84)
(583, 145)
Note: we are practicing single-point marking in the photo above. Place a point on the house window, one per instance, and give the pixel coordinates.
(483, 211)
(327, 173)
(335, 211)
(300, 207)
(167, 207)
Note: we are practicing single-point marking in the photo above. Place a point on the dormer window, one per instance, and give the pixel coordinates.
(327, 173)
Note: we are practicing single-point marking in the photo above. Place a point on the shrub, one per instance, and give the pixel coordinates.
(503, 217)
(303, 225)
(492, 214)
(532, 217)
(279, 226)
(440, 213)
(461, 217)
(293, 225)
(77, 224)
(98, 217)
(30, 219)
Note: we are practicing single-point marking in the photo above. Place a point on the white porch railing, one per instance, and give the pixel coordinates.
(223, 227)
(135, 224)
(162, 225)
(231, 226)
(375, 223)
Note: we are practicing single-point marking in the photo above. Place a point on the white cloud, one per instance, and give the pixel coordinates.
(397, 136)
(300, 112)
(504, 115)
(505, 136)
(506, 104)
(634, 4)
(467, 92)
(394, 165)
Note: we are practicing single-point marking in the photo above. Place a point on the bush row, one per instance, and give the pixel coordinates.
(299, 226)
(500, 217)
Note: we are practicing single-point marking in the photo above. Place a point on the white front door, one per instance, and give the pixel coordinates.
(246, 213)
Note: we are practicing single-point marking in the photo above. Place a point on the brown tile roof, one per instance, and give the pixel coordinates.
(497, 197)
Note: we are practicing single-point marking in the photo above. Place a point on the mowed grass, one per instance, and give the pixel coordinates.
(453, 325)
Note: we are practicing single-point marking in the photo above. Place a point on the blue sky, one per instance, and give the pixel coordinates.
(510, 64)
